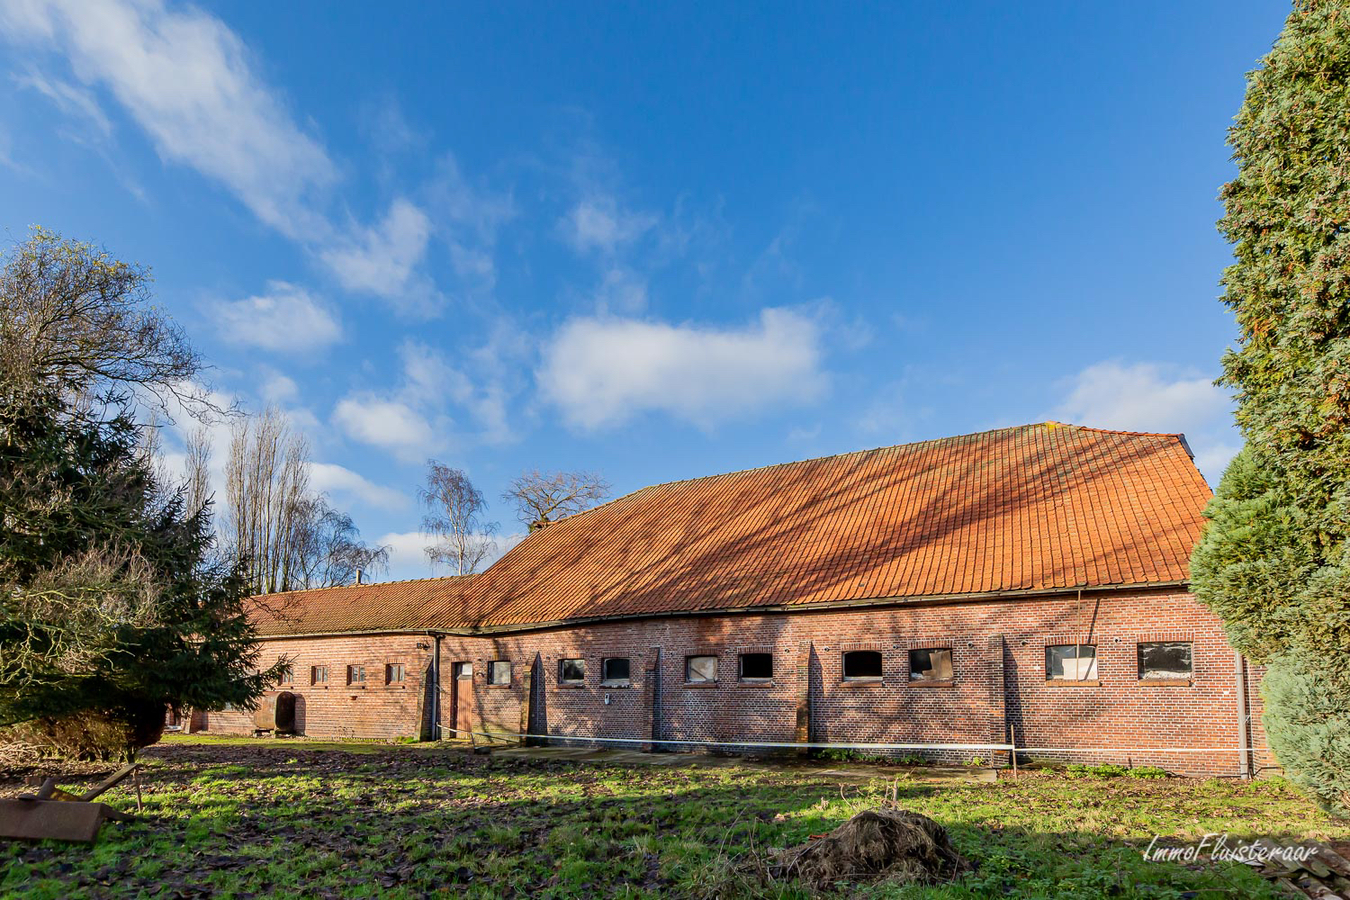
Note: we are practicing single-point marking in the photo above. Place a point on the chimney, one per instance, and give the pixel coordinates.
(358, 576)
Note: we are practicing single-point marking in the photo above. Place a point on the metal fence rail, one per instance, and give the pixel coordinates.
(835, 745)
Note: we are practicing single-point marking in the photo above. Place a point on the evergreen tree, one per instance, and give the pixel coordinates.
(1273, 562)
(111, 607)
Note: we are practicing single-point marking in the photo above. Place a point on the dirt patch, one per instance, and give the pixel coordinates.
(894, 844)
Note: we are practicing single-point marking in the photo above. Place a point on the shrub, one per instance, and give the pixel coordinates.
(1147, 772)
(1308, 723)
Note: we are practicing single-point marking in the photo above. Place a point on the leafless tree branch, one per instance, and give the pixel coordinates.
(544, 497)
(455, 516)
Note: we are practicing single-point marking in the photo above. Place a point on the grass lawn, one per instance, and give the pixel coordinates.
(296, 819)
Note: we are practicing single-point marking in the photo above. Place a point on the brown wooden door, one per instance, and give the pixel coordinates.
(462, 700)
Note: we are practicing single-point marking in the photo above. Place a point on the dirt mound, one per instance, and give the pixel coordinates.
(877, 843)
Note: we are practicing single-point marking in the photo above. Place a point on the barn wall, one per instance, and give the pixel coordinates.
(336, 709)
(999, 685)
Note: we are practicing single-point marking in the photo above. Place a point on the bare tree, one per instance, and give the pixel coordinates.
(544, 497)
(328, 549)
(287, 535)
(75, 319)
(266, 479)
(455, 516)
(198, 469)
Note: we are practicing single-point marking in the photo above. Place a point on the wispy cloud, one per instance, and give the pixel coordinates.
(286, 317)
(340, 481)
(599, 223)
(437, 403)
(74, 101)
(602, 371)
(468, 219)
(188, 81)
(194, 88)
(383, 259)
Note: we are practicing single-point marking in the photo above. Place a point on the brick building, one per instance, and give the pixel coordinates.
(1027, 584)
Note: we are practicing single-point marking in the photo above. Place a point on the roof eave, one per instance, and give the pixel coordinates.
(820, 606)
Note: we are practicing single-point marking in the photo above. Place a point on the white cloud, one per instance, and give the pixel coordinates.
(1155, 398)
(383, 259)
(386, 423)
(414, 419)
(408, 556)
(334, 479)
(285, 318)
(479, 386)
(1142, 397)
(188, 80)
(601, 371)
(192, 85)
(277, 388)
(598, 223)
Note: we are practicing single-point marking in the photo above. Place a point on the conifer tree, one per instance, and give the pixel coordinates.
(1274, 562)
(112, 607)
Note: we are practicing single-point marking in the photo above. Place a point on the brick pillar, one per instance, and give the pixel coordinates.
(803, 735)
(998, 719)
(651, 697)
(526, 699)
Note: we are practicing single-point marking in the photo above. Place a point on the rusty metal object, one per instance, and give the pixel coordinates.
(276, 713)
(62, 820)
(60, 815)
(111, 781)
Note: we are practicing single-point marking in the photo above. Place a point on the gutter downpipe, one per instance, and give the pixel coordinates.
(436, 689)
(1243, 715)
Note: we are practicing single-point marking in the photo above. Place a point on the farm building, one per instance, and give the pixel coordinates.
(1028, 584)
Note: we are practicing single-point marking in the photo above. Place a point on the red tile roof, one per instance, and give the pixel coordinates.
(392, 606)
(1032, 508)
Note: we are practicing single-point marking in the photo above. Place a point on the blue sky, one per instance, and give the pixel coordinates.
(654, 243)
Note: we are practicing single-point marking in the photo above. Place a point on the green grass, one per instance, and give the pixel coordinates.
(298, 819)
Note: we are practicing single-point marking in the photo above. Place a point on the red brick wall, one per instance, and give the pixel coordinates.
(338, 710)
(999, 681)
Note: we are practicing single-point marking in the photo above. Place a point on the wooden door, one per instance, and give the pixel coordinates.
(462, 700)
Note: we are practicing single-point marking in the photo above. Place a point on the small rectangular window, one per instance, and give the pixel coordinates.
(571, 671)
(356, 674)
(318, 674)
(862, 665)
(700, 669)
(393, 673)
(1071, 662)
(1165, 659)
(933, 664)
(287, 675)
(499, 672)
(756, 667)
(615, 670)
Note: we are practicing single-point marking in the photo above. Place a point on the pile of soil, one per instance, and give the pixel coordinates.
(878, 843)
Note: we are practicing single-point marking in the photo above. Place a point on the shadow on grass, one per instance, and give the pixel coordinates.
(232, 821)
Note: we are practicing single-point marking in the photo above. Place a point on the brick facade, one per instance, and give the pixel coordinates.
(339, 710)
(998, 690)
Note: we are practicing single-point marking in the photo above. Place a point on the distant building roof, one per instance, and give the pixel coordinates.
(1031, 508)
(389, 606)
